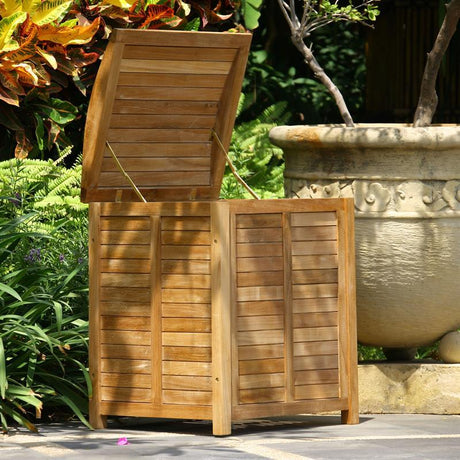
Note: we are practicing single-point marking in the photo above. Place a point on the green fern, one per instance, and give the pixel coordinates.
(43, 186)
(257, 161)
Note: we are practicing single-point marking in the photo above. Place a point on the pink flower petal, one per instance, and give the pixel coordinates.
(123, 442)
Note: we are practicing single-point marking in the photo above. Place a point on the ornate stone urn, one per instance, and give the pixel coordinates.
(406, 186)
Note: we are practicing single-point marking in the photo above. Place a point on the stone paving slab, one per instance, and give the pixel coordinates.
(426, 437)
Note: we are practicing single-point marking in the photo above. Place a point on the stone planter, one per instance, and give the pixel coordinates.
(406, 186)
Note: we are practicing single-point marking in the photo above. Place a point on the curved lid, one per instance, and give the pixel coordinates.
(157, 98)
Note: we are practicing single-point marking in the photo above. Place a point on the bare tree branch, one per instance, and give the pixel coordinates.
(428, 100)
(314, 16)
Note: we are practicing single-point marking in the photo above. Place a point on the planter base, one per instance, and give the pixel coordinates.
(409, 388)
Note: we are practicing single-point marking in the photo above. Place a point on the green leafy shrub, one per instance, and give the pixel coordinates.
(257, 161)
(49, 53)
(43, 292)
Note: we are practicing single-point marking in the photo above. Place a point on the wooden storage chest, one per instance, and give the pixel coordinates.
(200, 308)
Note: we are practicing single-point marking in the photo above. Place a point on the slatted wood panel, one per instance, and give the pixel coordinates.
(259, 289)
(163, 96)
(125, 309)
(287, 303)
(183, 294)
(186, 310)
(315, 305)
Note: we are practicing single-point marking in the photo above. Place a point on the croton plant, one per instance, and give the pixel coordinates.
(49, 51)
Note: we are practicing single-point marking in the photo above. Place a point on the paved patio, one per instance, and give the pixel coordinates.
(303, 437)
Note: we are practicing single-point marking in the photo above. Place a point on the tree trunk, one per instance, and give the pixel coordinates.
(321, 75)
(428, 100)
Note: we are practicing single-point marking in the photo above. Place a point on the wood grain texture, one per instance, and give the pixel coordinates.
(97, 419)
(221, 321)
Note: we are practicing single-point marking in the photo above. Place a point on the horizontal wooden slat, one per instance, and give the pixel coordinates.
(200, 354)
(266, 307)
(126, 265)
(305, 248)
(142, 280)
(247, 382)
(260, 351)
(315, 276)
(159, 150)
(186, 397)
(182, 310)
(316, 348)
(186, 281)
(125, 323)
(186, 339)
(261, 366)
(186, 237)
(315, 319)
(308, 291)
(161, 121)
(259, 235)
(302, 363)
(157, 164)
(126, 394)
(258, 220)
(259, 249)
(125, 237)
(260, 337)
(124, 294)
(310, 219)
(171, 80)
(257, 323)
(186, 368)
(125, 224)
(168, 94)
(312, 406)
(190, 325)
(260, 279)
(185, 252)
(253, 293)
(314, 305)
(126, 366)
(316, 376)
(316, 391)
(186, 223)
(186, 295)
(261, 395)
(178, 67)
(126, 380)
(313, 233)
(126, 351)
(165, 107)
(184, 382)
(112, 307)
(314, 334)
(314, 262)
(126, 338)
(157, 135)
(181, 38)
(186, 266)
(157, 179)
(178, 53)
(252, 264)
(138, 409)
(125, 251)
(135, 209)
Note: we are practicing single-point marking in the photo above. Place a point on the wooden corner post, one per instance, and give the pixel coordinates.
(346, 220)
(221, 320)
(96, 420)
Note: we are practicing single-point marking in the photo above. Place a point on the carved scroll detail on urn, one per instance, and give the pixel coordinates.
(395, 197)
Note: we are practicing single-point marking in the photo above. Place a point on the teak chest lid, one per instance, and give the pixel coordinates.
(157, 99)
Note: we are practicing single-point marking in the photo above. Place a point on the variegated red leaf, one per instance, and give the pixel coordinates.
(23, 146)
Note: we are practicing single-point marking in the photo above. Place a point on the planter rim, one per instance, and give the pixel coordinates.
(376, 135)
